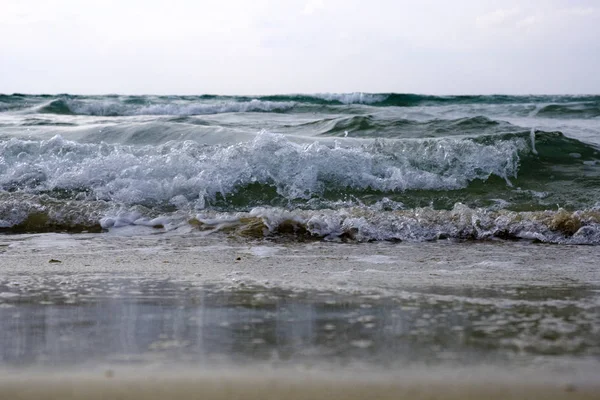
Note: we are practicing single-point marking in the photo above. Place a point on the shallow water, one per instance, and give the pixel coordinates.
(125, 321)
(98, 299)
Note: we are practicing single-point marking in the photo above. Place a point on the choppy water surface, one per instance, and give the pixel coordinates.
(351, 166)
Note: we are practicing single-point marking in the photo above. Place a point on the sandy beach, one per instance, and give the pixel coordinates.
(288, 384)
(169, 316)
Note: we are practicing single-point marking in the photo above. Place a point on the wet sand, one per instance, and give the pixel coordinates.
(285, 385)
(171, 316)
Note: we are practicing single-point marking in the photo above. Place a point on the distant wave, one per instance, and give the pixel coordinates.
(577, 110)
(557, 106)
(110, 108)
(370, 126)
(353, 98)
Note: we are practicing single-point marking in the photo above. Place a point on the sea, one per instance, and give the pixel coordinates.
(337, 167)
(364, 244)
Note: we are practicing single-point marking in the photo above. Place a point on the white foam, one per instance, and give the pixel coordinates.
(425, 224)
(352, 98)
(374, 259)
(175, 108)
(264, 251)
(532, 135)
(190, 175)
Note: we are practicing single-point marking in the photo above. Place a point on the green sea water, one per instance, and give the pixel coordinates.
(353, 166)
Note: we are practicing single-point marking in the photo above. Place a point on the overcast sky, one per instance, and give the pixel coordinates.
(299, 46)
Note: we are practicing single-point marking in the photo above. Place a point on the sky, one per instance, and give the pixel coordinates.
(300, 46)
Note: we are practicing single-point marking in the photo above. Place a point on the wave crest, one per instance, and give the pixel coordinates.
(66, 106)
(152, 175)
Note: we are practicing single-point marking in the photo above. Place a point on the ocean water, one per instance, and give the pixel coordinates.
(338, 167)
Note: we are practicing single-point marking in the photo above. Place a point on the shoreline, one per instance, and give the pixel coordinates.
(346, 267)
(170, 316)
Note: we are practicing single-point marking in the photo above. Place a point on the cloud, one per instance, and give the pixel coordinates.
(497, 17)
(313, 6)
(528, 21)
(269, 46)
(581, 11)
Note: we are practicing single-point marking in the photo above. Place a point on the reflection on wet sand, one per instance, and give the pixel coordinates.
(49, 320)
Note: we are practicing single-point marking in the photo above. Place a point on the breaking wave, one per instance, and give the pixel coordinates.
(67, 106)
(189, 172)
(553, 106)
(28, 213)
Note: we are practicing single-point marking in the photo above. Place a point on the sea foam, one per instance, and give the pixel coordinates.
(192, 174)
